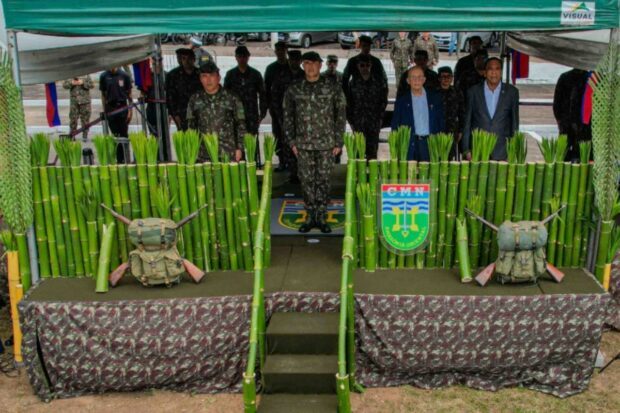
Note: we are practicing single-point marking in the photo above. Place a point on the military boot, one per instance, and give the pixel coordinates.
(322, 224)
(309, 223)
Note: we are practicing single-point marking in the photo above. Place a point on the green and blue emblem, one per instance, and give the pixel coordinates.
(404, 211)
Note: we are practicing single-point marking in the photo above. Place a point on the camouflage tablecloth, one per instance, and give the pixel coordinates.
(614, 289)
(542, 342)
(186, 344)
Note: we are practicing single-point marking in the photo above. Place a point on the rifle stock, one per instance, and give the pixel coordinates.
(485, 275)
(193, 271)
(118, 273)
(556, 274)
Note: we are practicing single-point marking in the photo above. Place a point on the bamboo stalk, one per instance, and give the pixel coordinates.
(536, 209)
(588, 217)
(92, 175)
(360, 168)
(529, 190)
(49, 222)
(64, 219)
(474, 230)
(63, 258)
(139, 143)
(88, 206)
(103, 267)
(152, 152)
(412, 167)
(453, 189)
(581, 219)
(125, 205)
(571, 212)
(120, 242)
(603, 249)
(511, 185)
(367, 230)
(553, 231)
(177, 213)
(201, 194)
(463, 189)
(134, 192)
(269, 150)
(519, 204)
(214, 241)
(77, 186)
(244, 231)
(462, 251)
(39, 223)
(423, 173)
(228, 211)
(500, 204)
(489, 212)
(431, 256)
(236, 199)
(547, 192)
(25, 274)
(561, 240)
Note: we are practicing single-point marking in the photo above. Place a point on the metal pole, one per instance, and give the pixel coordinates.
(143, 116)
(162, 111)
(30, 236)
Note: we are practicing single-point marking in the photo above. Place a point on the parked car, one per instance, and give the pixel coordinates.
(443, 39)
(347, 40)
(307, 39)
(260, 36)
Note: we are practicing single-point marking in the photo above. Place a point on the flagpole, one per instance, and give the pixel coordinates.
(11, 36)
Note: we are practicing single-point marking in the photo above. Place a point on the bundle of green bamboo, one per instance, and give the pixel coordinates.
(499, 191)
(69, 223)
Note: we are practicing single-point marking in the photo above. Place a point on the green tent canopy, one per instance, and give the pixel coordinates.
(120, 17)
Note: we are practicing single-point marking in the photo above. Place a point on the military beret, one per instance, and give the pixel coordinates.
(184, 51)
(421, 52)
(332, 58)
(242, 51)
(365, 39)
(209, 67)
(294, 54)
(444, 69)
(312, 56)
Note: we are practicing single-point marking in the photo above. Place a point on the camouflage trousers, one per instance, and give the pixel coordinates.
(284, 152)
(399, 69)
(79, 111)
(315, 168)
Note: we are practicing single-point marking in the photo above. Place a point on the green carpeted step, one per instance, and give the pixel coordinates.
(298, 403)
(300, 374)
(303, 333)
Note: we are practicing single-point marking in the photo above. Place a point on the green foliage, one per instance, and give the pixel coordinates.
(554, 149)
(365, 198)
(269, 147)
(8, 239)
(138, 144)
(585, 150)
(69, 152)
(439, 146)
(483, 145)
(249, 142)
(105, 146)
(350, 145)
(163, 201)
(212, 145)
(152, 151)
(517, 148)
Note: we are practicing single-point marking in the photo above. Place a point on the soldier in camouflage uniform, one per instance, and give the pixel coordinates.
(401, 54)
(278, 90)
(247, 83)
(426, 42)
(366, 102)
(217, 110)
(314, 122)
(453, 106)
(181, 83)
(79, 92)
(331, 73)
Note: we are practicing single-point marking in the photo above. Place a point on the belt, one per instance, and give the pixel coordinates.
(420, 137)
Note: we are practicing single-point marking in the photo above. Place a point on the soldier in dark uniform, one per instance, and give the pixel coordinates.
(432, 81)
(475, 76)
(453, 106)
(181, 83)
(350, 70)
(567, 106)
(366, 102)
(278, 89)
(314, 122)
(331, 73)
(247, 83)
(466, 63)
(217, 110)
(115, 87)
(273, 72)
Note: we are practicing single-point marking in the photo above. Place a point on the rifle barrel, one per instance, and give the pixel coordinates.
(116, 215)
(484, 221)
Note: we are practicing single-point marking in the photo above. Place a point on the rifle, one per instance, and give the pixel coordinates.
(117, 274)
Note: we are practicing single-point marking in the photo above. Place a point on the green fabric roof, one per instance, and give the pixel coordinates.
(99, 17)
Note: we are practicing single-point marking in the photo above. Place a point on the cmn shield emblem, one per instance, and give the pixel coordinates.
(404, 211)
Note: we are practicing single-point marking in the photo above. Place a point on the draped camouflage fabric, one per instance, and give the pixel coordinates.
(544, 342)
(614, 289)
(191, 344)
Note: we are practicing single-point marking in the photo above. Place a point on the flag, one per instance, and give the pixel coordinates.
(520, 65)
(143, 75)
(51, 105)
(586, 102)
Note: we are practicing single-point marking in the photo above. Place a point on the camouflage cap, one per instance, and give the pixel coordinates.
(209, 67)
(332, 58)
(312, 56)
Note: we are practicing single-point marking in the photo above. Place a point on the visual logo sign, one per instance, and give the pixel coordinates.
(578, 13)
(404, 212)
(293, 213)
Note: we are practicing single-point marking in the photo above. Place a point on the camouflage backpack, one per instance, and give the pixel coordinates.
(521, 252)
(156, 259)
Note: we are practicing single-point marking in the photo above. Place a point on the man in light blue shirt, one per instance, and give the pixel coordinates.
(422, 110)
(491, 96)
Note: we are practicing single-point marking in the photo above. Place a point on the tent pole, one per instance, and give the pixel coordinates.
(30, 236)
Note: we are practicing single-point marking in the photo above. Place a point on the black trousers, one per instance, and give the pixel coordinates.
(120, 128)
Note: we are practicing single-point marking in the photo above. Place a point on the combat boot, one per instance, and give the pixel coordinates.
(309, 223)
(322, 224)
